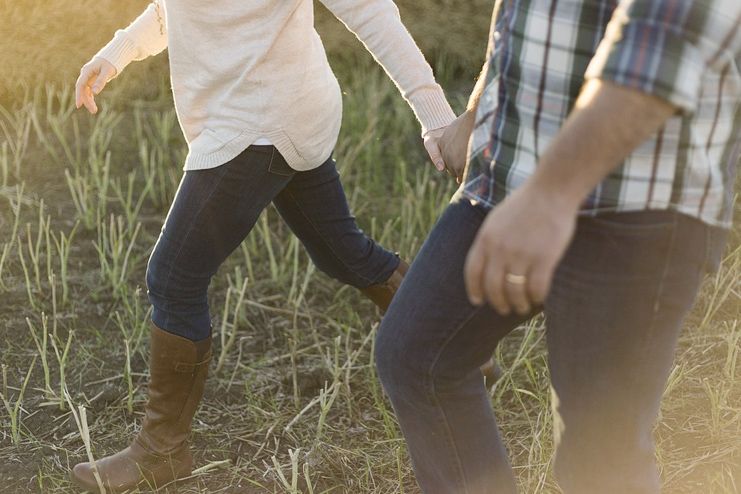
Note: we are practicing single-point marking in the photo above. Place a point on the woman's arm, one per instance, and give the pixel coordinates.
(144, 37)
(378, 25)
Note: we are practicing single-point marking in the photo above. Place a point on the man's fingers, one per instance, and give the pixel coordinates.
(473, 273)
(516, 288)
(539, 282)
(493, 286)
(452, 173)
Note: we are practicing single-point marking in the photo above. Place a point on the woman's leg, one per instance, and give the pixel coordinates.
(212, 212)
(314, 206)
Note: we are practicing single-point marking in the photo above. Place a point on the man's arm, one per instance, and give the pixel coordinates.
(467, 119)
(528, 233)
(608, 122)
(625, 100)
(455, 140)
(478, 90)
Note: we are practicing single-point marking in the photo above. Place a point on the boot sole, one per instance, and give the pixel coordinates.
(143, 486)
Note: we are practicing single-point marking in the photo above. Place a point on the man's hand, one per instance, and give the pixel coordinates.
(512, 260)
(93, 77)
(454, 144)
(516, 251)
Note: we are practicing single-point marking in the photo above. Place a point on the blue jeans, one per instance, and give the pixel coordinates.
(613, 317)
(215, 209)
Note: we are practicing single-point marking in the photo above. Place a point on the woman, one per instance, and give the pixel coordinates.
(260, 109)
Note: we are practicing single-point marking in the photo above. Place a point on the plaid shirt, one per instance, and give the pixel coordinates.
(685, 51)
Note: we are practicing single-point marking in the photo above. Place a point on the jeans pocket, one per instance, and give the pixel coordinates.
(628, 245)
(638, 222)
(279, 166)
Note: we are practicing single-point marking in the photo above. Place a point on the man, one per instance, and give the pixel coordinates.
(598, 190)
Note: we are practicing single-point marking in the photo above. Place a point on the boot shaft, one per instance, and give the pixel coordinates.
(178, 370)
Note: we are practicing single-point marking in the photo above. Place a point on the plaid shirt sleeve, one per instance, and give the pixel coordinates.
(664, 47)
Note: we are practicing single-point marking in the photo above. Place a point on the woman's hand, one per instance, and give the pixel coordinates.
(432, 145)
(93, 77)
(448, 146)
(454, 144)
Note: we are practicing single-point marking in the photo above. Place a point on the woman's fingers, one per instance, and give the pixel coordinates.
(105, 74)
(83, 91)
(432, 145)
(80, 85)
(93, 77)
(436, 156)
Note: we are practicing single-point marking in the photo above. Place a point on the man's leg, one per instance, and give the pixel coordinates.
(429, 349)
(314, 206)
(613, 316)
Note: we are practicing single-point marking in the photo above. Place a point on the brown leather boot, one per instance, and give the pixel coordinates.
(381, 294)
(160, 452)
(492, 372)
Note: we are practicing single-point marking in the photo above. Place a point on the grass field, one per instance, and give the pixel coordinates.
(49, 41)
(292, 404)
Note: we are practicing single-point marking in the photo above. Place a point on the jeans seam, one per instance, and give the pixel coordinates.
(662, 280)
(436, 402)
(713, 242)
(708, 237)
(188, 232)
(328, 245)
(291, 173)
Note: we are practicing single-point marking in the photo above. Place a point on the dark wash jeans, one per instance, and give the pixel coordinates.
(613, 317)
(215, 209)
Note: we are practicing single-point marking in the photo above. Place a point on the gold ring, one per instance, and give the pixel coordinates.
(515, 279)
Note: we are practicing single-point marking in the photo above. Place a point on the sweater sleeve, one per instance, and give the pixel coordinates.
(144, 37)
(378, 26)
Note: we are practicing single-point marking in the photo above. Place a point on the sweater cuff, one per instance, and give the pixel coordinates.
(431, 108)
(120, 51)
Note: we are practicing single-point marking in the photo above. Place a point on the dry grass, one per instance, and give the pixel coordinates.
(48, 41)
(296, 401)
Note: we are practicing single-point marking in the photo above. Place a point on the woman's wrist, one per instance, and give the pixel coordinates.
(431, 108)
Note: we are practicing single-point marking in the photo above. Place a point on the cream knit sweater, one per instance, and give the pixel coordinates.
(248, 69)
